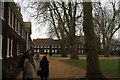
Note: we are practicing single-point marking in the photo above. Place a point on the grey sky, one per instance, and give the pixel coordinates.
(42, 32)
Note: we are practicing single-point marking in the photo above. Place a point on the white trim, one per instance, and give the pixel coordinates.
(0, 46)
(8, 45)
(11, 54)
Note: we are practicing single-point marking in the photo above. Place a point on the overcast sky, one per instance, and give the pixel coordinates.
(38, 32)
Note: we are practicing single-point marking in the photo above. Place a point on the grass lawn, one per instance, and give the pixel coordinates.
(108, 67)
(68, 55)
(80, 55)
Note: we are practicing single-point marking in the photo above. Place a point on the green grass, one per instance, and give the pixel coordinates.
(68, 55)
(79, 55)
(108, 67)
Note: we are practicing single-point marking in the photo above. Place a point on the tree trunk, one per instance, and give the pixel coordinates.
(93, 65)
(63, 51)
(107, 48)
(73, 49)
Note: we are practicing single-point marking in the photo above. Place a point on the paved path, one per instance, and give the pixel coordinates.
(60, 69)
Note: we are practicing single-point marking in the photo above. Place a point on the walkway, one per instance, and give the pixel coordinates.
(60, 69)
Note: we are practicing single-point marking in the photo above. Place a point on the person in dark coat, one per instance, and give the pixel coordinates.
(50, 54)
(44, 65)
(21, 62)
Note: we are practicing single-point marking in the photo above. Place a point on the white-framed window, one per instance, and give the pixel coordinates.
(9, 15)
(45, 50)
(16, 24)
(58, 46)
(79, 51)
(55, 50)
(12, 19)
(0, 46)
(34, 50)
(44, 46)
(52, 46)
(11, 50)
(19, 28)
(8, 45)
(82, 51)
(52, 50)
(48, 50)
(41, 46)
(48, 46)
(55, 46)
(37, 46)
(38, 50)
(1, 9)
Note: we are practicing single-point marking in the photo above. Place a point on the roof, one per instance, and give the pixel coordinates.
(45, 41)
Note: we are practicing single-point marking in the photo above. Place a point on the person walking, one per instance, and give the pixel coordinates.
(30, 68)
(44, 65)
(21, 62)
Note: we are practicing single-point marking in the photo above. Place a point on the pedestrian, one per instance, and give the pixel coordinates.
(30, 68)
(21, 62)
(50, 54)
(44, 65)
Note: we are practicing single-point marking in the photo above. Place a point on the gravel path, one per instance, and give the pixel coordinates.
(60, 69)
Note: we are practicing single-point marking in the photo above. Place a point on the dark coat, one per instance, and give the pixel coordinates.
(22, 59)
(44, 65)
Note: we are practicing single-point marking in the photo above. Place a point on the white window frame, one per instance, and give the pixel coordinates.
(18, 27)
(12, 19)
(8, 45)
(48, 50)
(11, 50)
(44, 50)
(15, 24)
(52, 46)
(1, 10)
(48, 46)
(41, 46)
(34, 50)
(38, 50)
(52, 50)
(55, 50)
(45, 46)
(0, 46)
(37, 46)
(56, 46)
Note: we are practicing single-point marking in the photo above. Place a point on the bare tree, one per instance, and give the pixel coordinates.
(107, 23)
(93, 65)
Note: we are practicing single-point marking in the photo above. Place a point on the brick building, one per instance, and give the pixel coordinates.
(14, 37)
(47, 45)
